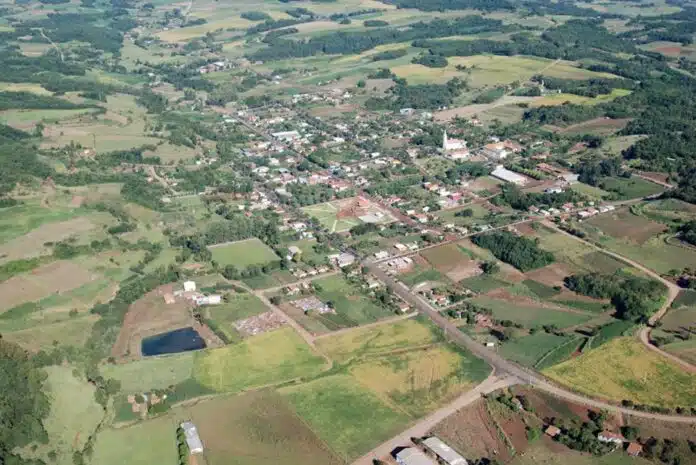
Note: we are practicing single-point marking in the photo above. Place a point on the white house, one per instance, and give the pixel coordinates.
(208, 299)
(412, 456)
(444, 452)
(608, 436)
(189, 286)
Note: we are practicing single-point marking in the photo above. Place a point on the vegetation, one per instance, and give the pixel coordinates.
(520, 252)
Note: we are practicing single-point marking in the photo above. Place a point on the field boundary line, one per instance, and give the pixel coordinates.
(546, 355)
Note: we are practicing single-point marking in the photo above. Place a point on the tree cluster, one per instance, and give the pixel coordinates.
(521, 252)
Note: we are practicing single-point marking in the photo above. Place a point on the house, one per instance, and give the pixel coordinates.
(506, 175)
(292, 251)
(552, 431)
(495, 151)
(381, 255)
(345, 259)
(192, 439)
(286, 136)
(608, 436)
(412, 456)
(404, 307)
(634, 449)
(443, 452)
(189, 286)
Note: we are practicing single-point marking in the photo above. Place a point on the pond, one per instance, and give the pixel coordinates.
(179, 340)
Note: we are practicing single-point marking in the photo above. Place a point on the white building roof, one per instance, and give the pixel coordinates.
(506, 175)
(445, 452)
(413, 456)
(192, 439)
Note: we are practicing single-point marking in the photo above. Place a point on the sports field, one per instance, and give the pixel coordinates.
(327, 214)
(243, 253)
(625, 369)
(283, 355)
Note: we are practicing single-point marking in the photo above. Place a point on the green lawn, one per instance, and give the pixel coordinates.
(527, 350)
(151, 373)
(243, 253)
(145, 443)
(350, 418)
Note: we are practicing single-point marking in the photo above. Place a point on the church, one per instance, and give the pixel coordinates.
(454, 149)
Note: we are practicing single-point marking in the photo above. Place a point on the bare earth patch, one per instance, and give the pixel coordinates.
(551, 275)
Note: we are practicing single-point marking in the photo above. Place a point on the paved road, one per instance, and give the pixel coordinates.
(673, 292)
(502, 366)
(426, 424)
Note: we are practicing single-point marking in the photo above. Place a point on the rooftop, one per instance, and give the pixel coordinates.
(445, 452)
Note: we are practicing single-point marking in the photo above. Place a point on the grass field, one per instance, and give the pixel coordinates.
(529, 316)
(483, 283)
(350, 418)
(527, 350)
(624, 369)
(630, 188)
(560, 99)
(144, 443)
(74, 414)
(265, 429)
(283, 355)
(243, 253)
(540, 454)
(236, 307)
(352, 306)
(421, 380)
(685, 350)
(71, 332)
(421, 274)
(152, 373)
(377, 340)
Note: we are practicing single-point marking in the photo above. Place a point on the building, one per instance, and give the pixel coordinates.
(552, 431)
(193, 441)
(444, 452)
(506, 175)
(454, 149)
(343, 260)
(608, 436)
(412, 456)
(189, 286)
(634, 449)
(214, 299)
(495, 151)
(286, 136)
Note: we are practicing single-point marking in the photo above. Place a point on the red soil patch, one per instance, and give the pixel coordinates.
(671, 51)
(551, 275)
(624, 224)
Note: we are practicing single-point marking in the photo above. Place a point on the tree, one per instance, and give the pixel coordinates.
(490, 267)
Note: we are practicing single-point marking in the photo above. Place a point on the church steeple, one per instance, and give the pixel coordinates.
(444, 140)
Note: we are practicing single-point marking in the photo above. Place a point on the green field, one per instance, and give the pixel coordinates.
(145, 443)
(483, 283)
(243, 253)
(528, 350)
(352, 306)
(283, 355)
(326, 213)
(530, 316)
(152, 373)
(420, 275)
(624, 369)
(630, 188)
(235, 307)
(74, 414)
(350, 418)
(538, 453)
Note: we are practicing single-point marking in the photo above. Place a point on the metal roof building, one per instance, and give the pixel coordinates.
(193, 441)
(444, 452)
(413, 456)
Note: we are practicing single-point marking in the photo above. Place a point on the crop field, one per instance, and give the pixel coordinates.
(560, 99)
(243, 253)
(420, 274)
(590, 191)
(56, 277)
(625, 369)
(667, 210)
(282, 353)
(149, 442)
(21, 219)
(529, 315)
(574, 255)
(598, 126)
(347, 416)
(352, 306)
(473, 433)
(630, 188)
(451, 261)
(626, 225)
(483, 283)
(363, 342)
(72, 332)
(493, 70)
(685, 350)
(420, 381)
(151, 373)
(74, 414)
(265, 429)
(528, 350)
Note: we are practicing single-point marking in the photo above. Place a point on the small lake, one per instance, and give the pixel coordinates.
(180, 340)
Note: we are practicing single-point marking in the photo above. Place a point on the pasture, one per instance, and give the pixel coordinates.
(153, 441)
(74, 413)
(624, 224)
(383, 339)
(631, 188)
(528, 350)
(283, 355)
(265, 429)
(244, 253)
(421, 380)
(624, 369)
(451, 261)
(70, 331)
(347, 416)
(235, 307)
(604, 127)
(540, 452)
